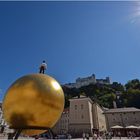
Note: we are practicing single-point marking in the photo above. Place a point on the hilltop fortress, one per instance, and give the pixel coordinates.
(88, 80)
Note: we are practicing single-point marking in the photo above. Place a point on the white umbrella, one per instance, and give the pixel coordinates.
(116, 126)
(131, 126)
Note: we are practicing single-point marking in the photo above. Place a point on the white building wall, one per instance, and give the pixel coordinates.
(91, 114)
(80, 116)
(85, 81)
(79, 111)
(101, 119)
(88, 80)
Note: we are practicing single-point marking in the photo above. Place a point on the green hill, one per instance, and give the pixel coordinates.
(127, 95)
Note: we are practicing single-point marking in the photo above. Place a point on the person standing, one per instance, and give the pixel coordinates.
(84, 136)
(87, 136)
(43, 67)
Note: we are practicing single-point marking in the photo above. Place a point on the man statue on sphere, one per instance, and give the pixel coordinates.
(43, 67)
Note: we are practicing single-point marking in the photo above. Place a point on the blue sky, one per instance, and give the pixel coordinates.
(76, 39)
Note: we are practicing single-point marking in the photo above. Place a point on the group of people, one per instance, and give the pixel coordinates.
(131, 134)
(85, 136)
(97, 136)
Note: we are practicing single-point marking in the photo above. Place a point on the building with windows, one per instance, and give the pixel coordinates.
(122, 117)
(62, 125)
(88, 80)
(3, 124)
(2, 121)
(84, 115)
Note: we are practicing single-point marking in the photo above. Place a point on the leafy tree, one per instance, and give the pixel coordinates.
(133, 84)
(107, 100)
(131, 98)
(117, 86)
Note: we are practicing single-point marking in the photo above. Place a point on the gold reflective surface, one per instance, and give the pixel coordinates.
(33, 100)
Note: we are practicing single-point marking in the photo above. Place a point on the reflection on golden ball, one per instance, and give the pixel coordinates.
(33, 100)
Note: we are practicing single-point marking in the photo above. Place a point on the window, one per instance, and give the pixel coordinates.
(75, 107)
(82, 116)
(82, 106)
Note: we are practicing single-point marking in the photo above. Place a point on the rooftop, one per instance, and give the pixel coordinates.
(82, 97)
(125, 109)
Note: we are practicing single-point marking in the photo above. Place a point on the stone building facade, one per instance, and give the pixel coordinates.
(88, 80)
(122, 117)
(3, 124)
(62, 125)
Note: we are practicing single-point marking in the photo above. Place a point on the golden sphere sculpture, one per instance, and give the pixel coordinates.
(33, 100)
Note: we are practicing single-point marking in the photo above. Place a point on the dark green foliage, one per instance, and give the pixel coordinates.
(133, 84)
(117, 86)
(131, 98)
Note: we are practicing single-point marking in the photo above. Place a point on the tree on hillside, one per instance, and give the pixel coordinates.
(88, 90)
(107, 100)
(117, 86)
(71, 92)
(105, 94)
(131, 98)
(133, 84)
